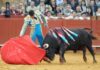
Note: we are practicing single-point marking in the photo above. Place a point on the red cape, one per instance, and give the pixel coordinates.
(21, 50)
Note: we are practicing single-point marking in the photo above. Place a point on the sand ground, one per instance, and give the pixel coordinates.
(73, 62)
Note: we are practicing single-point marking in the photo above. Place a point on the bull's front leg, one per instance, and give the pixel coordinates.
(84, 54)
(61, 52)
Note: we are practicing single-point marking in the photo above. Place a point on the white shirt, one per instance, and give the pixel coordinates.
(59, 2)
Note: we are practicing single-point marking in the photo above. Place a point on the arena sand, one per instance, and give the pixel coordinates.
(73, 62)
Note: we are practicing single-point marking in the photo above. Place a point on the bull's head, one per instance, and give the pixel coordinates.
(49, 51)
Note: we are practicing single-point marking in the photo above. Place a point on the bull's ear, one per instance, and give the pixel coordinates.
(45, 46)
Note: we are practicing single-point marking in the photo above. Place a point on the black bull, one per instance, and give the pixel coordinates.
(54, 45)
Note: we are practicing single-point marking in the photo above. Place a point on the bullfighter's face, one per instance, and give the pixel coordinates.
(50, 53)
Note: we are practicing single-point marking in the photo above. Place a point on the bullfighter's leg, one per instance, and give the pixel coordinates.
(84, 54)
(89, 46)
(40, 39)
(61, 52)
(34, 37)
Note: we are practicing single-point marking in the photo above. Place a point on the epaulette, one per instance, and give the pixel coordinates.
(27, 17)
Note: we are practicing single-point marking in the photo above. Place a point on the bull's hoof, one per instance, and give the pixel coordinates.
(94, 61)
(85, 59)
(62, 61)
(46, 59)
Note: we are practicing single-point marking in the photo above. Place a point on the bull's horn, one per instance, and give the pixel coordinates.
(46, 46)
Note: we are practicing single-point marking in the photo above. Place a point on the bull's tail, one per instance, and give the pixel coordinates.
(92, 36)
(90, 33)
(89, 30)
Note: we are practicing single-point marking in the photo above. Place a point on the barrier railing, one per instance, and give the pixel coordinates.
(10, 27)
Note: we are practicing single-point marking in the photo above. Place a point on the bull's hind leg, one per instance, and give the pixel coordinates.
(84, 54)
(89, 46)
(61, 52)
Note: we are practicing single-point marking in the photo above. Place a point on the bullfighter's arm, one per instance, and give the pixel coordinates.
(24, 27)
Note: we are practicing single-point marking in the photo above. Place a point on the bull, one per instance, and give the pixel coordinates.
(61, 39)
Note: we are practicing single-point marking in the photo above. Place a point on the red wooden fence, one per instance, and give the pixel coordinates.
(10, 27)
